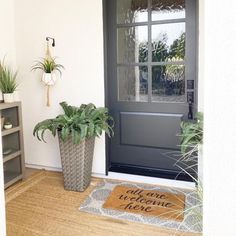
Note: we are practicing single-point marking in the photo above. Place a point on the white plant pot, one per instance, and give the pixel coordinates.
(8, 126)
(16, 96)
(8, 97)
(49, 79)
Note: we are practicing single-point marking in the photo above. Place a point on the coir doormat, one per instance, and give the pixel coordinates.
(147, 202)
(104, 200)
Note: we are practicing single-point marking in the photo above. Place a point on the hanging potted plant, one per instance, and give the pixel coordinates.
(77, 129)
(49, 66)
(8, 83)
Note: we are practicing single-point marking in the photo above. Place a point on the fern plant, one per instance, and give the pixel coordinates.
(78, 123)
(8, 82)
(48, 65)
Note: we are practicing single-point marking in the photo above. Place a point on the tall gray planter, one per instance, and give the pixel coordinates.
(76, 162)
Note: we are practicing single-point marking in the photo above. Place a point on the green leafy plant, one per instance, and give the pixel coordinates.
(191, 142)
(78, 123)
(48, 65)
(7, 123)
(8, 82)
(192, 134)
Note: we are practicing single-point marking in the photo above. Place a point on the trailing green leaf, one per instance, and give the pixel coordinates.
(78, 123)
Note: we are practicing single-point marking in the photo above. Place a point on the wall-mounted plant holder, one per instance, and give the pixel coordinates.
(53, 41)
(50, 69)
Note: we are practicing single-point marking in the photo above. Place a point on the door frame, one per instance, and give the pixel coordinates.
(105, 51)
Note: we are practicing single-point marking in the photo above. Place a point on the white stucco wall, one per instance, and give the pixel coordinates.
(78, 29)
(7, 37)
(219, 75)
(7, 49)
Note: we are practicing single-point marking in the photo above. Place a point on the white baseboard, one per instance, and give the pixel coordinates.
(41, 167)
(152, 180)
(128, 177)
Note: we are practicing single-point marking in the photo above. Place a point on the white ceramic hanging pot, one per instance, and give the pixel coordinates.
(49, 79)
(8, 97)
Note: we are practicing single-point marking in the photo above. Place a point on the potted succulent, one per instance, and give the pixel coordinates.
(77, 129)
(49, 66)
(8, 83)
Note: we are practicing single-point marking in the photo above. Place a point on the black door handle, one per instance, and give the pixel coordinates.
(190, 110)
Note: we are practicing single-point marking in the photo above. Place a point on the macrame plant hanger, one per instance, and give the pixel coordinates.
(51, 82)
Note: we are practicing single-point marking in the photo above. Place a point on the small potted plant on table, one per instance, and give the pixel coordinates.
(8, 83)
(77, 129)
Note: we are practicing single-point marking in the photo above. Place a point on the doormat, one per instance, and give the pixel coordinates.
(147, 202)
(101, 196)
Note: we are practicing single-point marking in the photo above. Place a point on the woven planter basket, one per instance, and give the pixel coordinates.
(76, 162)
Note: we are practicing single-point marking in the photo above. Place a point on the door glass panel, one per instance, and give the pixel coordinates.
(168, 42)
(168, 83)
(168, 9)
(133, 83)
(131, 11)
(132, 44)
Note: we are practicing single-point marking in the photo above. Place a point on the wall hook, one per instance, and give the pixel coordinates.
(53, 41)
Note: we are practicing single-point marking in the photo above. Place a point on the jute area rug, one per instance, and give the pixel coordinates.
(148, 204)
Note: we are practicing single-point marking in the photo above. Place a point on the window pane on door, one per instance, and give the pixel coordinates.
(132, 83)
(132, 44)
(132, 11)
(168, 42)
(168, 83)
(168, 9)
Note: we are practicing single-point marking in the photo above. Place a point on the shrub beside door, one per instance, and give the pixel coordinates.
(77, 129)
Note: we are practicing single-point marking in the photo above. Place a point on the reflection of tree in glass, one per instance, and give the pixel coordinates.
(177, 49)
(161, 51)
(174, 75)
(168, 79)
(143, 52)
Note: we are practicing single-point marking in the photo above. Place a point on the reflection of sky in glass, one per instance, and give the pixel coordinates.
(171, 31)
(142, 34)
(167, 15)
(141, 16)
(141, 31)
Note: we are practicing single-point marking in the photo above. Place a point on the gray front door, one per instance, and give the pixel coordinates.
(151, 78)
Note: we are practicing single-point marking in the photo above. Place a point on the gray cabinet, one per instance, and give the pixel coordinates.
(12, 142)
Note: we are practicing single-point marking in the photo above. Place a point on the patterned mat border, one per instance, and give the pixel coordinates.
(93, 204)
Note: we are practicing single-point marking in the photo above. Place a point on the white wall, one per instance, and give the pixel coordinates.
(7, 49)
(77, 27)
(7, 37)
(219, 35)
